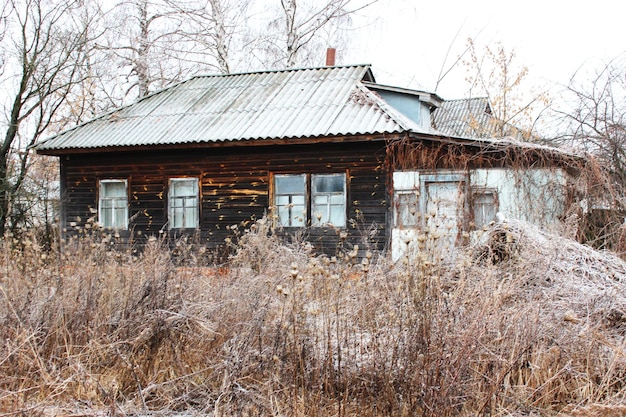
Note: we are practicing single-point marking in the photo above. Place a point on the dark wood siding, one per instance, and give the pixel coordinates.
(234, 187)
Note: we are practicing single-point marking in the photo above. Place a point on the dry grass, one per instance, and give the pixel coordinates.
(525, 324)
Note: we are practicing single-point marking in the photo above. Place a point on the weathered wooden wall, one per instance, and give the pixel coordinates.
(235, 187)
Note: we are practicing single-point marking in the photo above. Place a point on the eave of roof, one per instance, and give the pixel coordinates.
(431, 98)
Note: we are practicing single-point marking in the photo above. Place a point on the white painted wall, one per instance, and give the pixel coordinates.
(533, 195)
(537, 196)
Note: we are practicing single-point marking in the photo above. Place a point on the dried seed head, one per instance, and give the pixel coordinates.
(294, 270)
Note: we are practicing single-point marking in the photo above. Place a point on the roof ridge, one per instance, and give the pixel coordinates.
(277, 70)
(467, 99)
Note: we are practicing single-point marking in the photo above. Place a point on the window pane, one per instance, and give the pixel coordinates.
(106, 218)
(119, 221)
(186, 187)
(283, 215)
(289, 184)
(337, 199)
(190, 216)
(328, 183)
(113, 189)
(177, 219)
(485, 208)
(320, 200)
(407, 209)
(298, 215)
(337, 215)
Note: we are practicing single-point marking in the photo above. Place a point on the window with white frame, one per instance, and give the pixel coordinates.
(113, 204)
(290, 199)
(183, 203)
(316, 199)
(328, 196)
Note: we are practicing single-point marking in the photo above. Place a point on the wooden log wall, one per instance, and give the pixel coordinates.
(234, 188)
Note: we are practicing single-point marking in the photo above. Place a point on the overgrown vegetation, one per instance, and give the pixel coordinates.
(522, 323)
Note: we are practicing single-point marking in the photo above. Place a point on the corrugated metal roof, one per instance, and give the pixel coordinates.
(300, 103)
(470, 117)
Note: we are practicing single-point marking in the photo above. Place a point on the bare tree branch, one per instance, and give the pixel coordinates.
(49, 49)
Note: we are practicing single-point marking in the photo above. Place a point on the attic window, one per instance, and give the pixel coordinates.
(183, 203)
(113, 204)
(314, 199)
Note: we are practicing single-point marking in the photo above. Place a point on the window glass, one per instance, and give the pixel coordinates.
(328, 200)
(289, 184)
(290, 199)
(183, 203)
(485, 207)
(407, 214)
(328, 183)
(113, 204)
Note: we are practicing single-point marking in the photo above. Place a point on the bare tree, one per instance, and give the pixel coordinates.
(215, 34)
(139, 30)
(299, 31)
(220, 34)
(3, 31)
(157, 42)
(46, 50)
(597, 119)
(494, 74)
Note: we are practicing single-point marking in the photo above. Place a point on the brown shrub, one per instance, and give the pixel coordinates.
(281, 331)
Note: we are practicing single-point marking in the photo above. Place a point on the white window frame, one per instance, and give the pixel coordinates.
(288, 214)
(173, 209)
(321, 213)
(114, 204)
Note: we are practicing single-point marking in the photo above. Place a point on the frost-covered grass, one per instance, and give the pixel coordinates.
(526, 323)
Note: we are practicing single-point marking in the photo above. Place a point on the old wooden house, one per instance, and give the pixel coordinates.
(326, 152)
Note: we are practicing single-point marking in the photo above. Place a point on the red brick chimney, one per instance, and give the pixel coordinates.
(330, 57)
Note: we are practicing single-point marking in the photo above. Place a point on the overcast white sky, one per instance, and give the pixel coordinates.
(407, 44)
